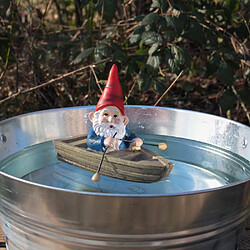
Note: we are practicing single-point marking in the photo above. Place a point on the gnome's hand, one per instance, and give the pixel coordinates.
(136, 144)
(110, 142)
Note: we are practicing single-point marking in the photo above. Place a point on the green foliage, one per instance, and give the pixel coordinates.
(228, 100)
(86, 53)
(149, 40)
(225, 73)
(108, 7)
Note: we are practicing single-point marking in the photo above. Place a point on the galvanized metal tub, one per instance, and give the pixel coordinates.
(40, 217)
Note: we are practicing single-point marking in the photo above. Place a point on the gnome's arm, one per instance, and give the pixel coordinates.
(129, 136)
(95, 142)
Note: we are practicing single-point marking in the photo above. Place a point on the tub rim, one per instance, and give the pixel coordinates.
(126, 195)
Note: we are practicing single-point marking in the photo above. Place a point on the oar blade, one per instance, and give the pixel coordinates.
(96, 177)
(162, 146)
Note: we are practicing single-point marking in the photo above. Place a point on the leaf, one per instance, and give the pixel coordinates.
(149, 19)
(140, 64)
(85, 2)
(101, 51)
(163, 4)
(168, 35)
(188, 86)
(171, 21)
(247, 74)
(177, 59)
(172, 65)
(170, 61)
(86, 53)
(225, 73)
(182, 21)
(199, 16)
(212, 64)
(90, 25)
(155, 4)
(241, 31)
(228, 100)
(144, 82)
(139, 18)
(120, 55)
(108, 10)
(150, 37)
(153, 48)
(4, 47)
(162, 24)
(141, 51)
(136, 37)
(180, 56)
(244, 95)
(159, 85)
(188, 58)
(153, 61)
(195, 32)
(131, 69)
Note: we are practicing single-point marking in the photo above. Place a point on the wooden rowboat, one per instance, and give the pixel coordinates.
(139, 166)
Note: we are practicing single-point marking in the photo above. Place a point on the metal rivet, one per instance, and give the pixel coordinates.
(244, 143)
(3, 138)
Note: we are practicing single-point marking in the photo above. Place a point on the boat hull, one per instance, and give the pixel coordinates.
(138, 166)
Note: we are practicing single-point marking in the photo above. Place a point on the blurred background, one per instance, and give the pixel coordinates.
(57, 53)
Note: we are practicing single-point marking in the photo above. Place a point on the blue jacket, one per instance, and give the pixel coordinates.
(97, 142)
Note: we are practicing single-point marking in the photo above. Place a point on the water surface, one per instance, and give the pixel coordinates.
(198, 166)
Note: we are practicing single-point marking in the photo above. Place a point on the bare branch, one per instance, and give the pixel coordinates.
(96, 79)
(129, 93)
(51, 81)
(172, 84)
(241, 103)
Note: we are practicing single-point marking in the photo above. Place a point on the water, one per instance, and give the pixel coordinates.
(198, 166)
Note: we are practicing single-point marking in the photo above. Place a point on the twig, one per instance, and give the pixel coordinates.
(129, 93)
(170, 5)
(6, 63)
(128, 3)
(246, 24)
(66, 28)
(58, 8)
(100, 28)
(51, 81)
(9, 46)
(169, 87)
(96, 79)
(47, 7)
(233, 38)
(241, 103)
(70, 96)
(245, 62)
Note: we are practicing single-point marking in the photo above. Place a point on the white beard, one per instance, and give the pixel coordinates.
(103, 129)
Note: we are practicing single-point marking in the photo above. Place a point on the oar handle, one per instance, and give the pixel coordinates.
(104, 152)
(161, 145)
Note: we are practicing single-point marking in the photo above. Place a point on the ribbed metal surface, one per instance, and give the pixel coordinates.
(39, 217)
(244, 241)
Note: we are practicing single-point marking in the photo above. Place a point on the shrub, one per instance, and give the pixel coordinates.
(150, 41)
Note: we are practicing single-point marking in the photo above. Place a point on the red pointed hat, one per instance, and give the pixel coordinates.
(112, 93)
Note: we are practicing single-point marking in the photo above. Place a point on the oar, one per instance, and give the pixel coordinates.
(96, 177)
(161, 145)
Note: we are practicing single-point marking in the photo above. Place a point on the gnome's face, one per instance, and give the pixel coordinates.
(108, 121)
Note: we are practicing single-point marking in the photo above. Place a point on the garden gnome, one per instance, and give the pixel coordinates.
(109, 121)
